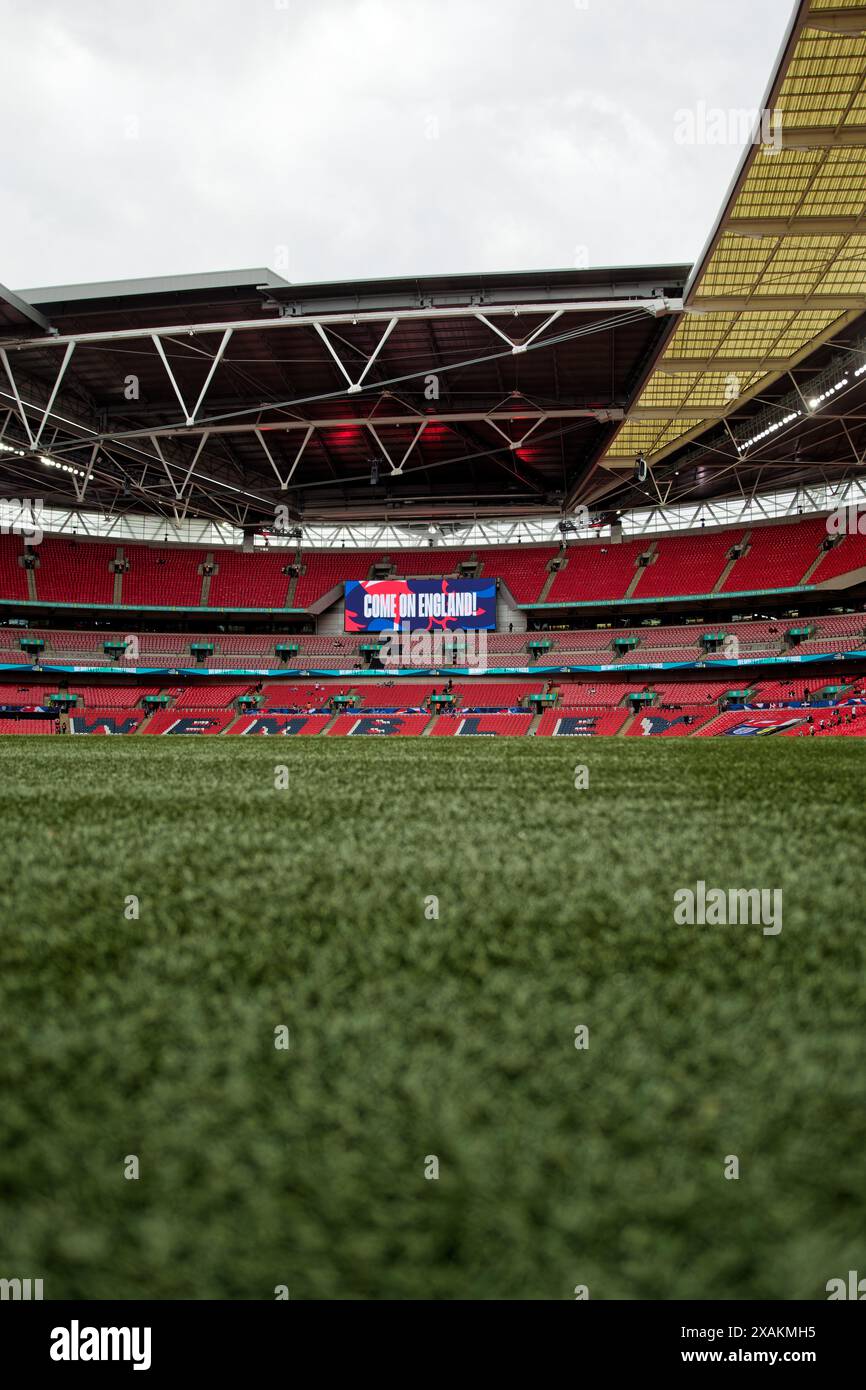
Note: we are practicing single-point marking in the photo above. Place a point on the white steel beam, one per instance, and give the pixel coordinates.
(226, 338)
(157, 342)
(355, 386)
(21, 411)
(654, 306)
(81, 487)
(70, 348)
(341, 422)
(396, 469)
(517, 344)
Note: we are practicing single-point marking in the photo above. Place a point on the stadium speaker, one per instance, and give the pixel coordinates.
(641, 469)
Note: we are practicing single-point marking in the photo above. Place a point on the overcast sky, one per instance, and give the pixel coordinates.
(334, 139)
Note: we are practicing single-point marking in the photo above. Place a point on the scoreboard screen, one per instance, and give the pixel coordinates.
(382, 605)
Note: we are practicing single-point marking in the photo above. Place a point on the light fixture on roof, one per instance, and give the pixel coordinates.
(64, 467)
(770, 429)
(818, 401)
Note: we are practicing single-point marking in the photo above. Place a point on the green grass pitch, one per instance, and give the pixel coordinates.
(413, 1037)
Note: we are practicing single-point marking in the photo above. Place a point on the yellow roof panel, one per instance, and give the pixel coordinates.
(820, 89)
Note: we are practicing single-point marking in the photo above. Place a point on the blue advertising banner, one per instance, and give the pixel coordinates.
(382, 605)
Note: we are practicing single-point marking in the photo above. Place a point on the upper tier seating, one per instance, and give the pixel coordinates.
(690, 564)
(415, 564)
(779, 556)
(849, 555)
(524, 571)
(326, 569)
(162, 577)
(74, 571)
(249, 581)
(13, 577)
(602, 570)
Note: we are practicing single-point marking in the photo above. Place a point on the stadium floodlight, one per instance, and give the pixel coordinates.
(818, 401)
(770, 429)
(64, 467)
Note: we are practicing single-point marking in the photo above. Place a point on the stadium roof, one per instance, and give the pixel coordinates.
(783, 273)
(227, 395)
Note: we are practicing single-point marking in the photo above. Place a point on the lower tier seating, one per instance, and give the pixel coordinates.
(482, 724)
(386, 725)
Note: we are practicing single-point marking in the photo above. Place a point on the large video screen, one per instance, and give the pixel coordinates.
(382, 605)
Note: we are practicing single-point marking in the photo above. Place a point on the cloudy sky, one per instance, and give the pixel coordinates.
(332, 139)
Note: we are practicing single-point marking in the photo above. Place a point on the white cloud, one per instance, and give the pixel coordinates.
(370, 137)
